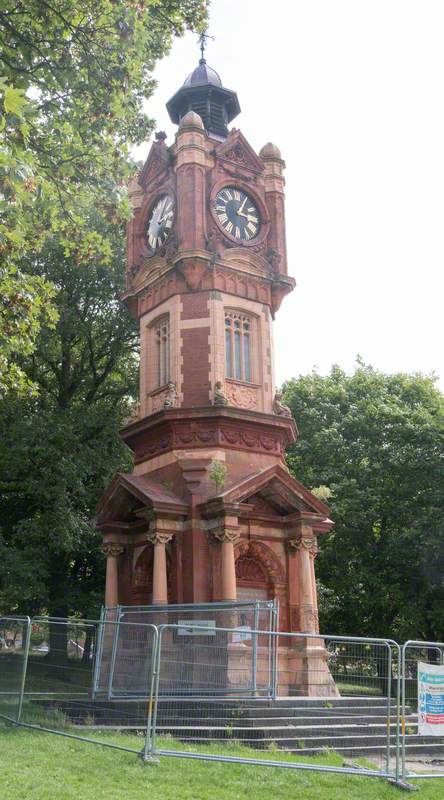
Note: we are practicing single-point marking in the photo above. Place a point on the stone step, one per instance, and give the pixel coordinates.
(351, 727)
(364, 743)
(273, 722)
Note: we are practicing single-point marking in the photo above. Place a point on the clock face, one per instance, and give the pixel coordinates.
(237, 214)
(160, 221)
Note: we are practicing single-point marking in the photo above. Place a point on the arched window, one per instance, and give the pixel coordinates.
(162, 349)
(238, 346)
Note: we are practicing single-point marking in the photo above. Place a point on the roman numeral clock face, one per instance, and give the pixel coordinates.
(160, 221)
(237, 213)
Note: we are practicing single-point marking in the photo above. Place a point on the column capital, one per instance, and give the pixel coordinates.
(309, 543)
(225, 535)
(159, 537)
(112, 549)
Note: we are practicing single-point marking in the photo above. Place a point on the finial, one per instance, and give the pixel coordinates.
(203, 43)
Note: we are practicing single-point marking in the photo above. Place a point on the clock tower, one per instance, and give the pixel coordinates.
(210, 511)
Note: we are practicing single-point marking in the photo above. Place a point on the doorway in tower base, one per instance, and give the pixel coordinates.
(301, 662)
(255, 582)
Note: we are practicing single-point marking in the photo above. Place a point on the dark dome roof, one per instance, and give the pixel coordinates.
(203, 75)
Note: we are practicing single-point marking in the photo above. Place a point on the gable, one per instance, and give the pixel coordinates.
(129, 493)
(275, 488)
(261, 505)
(236, 149)
(157, 162)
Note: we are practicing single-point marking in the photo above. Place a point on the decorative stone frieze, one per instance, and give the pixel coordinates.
(242, 396)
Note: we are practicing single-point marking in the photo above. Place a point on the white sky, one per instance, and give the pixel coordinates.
(352, 93)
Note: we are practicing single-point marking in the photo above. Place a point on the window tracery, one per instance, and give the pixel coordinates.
(161, 333)
(238, 346)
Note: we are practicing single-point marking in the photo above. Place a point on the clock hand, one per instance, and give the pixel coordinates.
(248, 216)
(240, 209)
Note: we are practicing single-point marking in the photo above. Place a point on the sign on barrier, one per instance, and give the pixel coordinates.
(422, 693)
(430, 699)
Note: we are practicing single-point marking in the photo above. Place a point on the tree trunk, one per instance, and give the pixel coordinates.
(58, 637)
(88, 645)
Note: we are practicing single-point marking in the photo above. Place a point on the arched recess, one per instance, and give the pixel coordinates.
(258, 571)
(142, 579)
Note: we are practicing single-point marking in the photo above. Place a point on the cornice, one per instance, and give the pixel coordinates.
(221, 427)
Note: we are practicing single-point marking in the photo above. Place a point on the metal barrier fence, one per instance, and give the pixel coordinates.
(123, 658)
(306, 665)
(14, 648)
(53, 690)
(213, 692)
(413, 653)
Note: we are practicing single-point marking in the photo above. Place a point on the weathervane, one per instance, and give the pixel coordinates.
(203, 42)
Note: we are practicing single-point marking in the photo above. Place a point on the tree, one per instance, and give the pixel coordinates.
(75, 75)
(60, 448)
(376, 442)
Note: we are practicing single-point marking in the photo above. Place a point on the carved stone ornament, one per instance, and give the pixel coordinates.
(158, 400)
(279, 408)
(241, 396)
(171, 396)
(237, 153)
(273, 259)
(305, 543)
(263, 555)
(159, 537)
(225, 535)
(219, 397)
(112, 549)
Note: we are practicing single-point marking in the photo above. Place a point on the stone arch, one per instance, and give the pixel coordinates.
(257, 560)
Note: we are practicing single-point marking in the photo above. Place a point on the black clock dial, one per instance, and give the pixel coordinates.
(160, 221)
(237, 213)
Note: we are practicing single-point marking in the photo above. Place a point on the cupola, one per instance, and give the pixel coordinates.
(204, 94)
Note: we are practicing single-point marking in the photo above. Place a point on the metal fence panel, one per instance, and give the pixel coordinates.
(196, 653)
(14, 641)
(310, 670)
(195, 687)
(422, 756)
(58, 689)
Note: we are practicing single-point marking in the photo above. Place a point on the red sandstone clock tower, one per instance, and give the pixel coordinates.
(210, 511)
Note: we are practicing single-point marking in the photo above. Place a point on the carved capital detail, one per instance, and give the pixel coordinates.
(225, 535)
(303, 543)
(159, 537)
(112, 549)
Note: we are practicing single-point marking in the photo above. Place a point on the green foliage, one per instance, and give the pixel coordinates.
(377, 442)
(60, 448)
(75, 75)
(218, 473)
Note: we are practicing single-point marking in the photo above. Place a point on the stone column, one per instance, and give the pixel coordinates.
(305, 547)
(160, 587)
(274, 193)
(227, 538)
(190, 168)
(112, 551)
(313, 554)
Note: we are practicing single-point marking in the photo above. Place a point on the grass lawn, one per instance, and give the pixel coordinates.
(42, 766)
